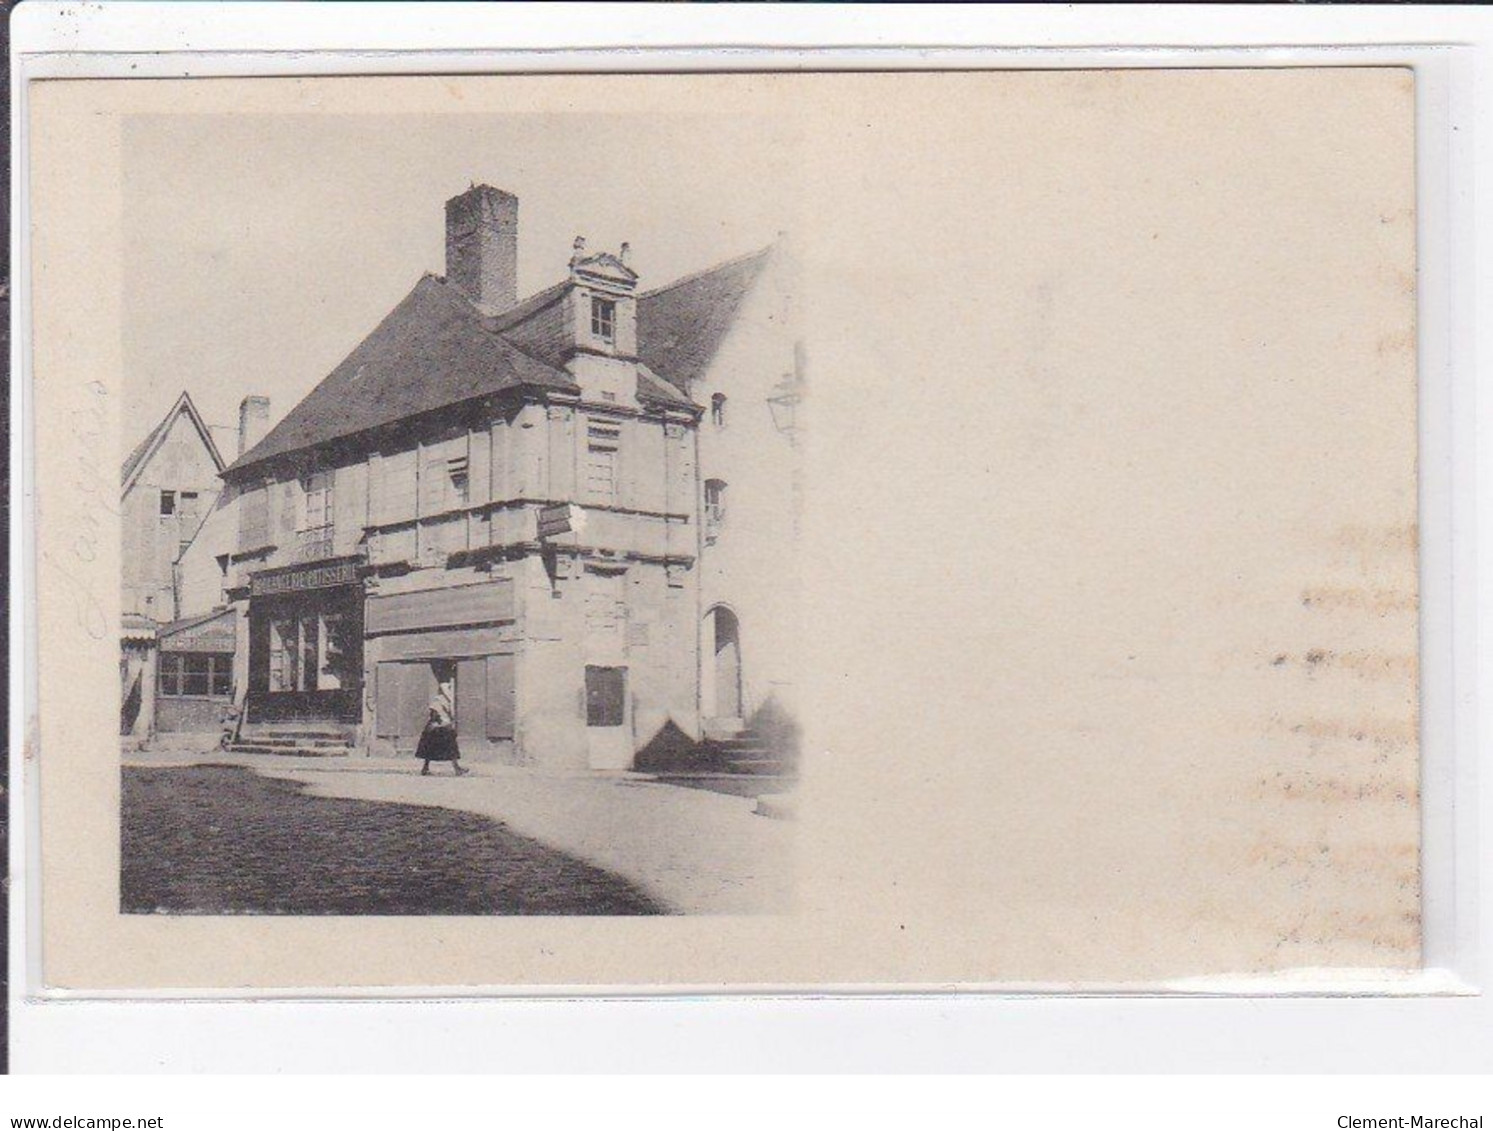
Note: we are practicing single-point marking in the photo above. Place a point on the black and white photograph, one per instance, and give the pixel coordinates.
(767, 539)
(460, 517)
(747, 532)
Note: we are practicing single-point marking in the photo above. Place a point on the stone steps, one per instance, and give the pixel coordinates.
(292, 741)
(290, 749)
(270, 733)
(769, 765)
(745, 754)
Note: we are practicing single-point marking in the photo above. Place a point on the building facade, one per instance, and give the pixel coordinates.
(577, 512)
(496, 496)
(168, 485)
(729, 336)
(179, 634)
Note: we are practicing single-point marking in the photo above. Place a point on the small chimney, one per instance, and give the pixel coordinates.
(253, 422)
(482, 247)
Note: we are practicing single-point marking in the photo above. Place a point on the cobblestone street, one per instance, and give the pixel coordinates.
(223, 840)
(681, 850)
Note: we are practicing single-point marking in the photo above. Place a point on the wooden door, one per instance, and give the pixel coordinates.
(500, 698)
(608, 733)
(471, 705)
(728, 680)
(727, 667)
(404, 694)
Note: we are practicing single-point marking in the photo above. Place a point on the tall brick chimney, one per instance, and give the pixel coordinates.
(253, 421)
(482, 246)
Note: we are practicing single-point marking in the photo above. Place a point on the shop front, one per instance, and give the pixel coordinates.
(306, 644)
(460, 636)
(194, 673)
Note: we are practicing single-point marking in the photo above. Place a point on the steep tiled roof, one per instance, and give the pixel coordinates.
(681, 326)
(537, 325)
(531, 306)
(157, 436)
(652, 387)
(434, 349)
(437, 349)
(137, 457)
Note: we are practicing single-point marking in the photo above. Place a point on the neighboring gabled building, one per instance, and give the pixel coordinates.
(729, 337)
(179, 528)
(168, 484)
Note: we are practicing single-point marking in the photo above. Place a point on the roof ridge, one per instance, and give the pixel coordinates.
(523, 311)
(721, 266)
(146, 447)
(436, 349)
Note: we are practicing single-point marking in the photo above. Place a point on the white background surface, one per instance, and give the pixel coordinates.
(1414, 1034)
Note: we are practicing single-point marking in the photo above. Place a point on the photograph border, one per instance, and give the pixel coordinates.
(1450, 513)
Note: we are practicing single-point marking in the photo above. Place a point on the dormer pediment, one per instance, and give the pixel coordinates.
(604, 268)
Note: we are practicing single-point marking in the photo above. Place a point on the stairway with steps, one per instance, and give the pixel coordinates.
(293, 741)
(746, 752)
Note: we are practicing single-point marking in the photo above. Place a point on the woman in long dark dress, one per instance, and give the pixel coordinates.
(438, 739)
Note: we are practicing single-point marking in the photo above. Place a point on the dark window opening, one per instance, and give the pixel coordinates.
(186, 513)
(718, 410)
(196, 674)
(715, 506)
(606, 690)
(168, 502)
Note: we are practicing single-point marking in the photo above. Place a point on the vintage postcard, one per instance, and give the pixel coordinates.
(730, 531)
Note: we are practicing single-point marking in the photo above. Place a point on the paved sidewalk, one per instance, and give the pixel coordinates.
(696, 851)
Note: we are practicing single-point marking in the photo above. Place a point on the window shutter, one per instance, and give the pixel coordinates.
(479, 473)
(397, 497)
(253, 519)
(499, 478)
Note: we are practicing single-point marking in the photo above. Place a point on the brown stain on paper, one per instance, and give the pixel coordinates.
(1343, 783)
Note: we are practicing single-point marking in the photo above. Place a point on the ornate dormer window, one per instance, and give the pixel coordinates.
(605, 310)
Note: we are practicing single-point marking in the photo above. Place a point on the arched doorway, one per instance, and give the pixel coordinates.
(723, 662)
